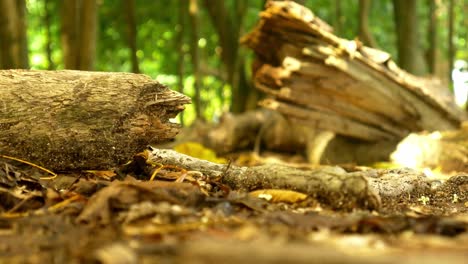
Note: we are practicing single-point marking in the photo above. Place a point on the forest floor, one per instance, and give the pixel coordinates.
(108, 217)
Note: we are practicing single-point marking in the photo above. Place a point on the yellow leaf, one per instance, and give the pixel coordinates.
(197, 150)
(278, 195)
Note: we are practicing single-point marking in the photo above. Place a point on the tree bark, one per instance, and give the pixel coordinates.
(338, 17)
(13, 44)
(132, 33)
(364, 33)
(79, 27)
(410, 57)
(67, 120)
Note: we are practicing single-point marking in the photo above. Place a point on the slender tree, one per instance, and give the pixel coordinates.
(129, 12)
(48, 43)
(195, 54)
(410, 56)
(183, 8)
(451, 31)
(364, 33)
(228, 25)
(338, 17)
(78, 33)
(432, 37)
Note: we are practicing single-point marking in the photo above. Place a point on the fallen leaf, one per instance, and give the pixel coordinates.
(278, 195)
(120, 195)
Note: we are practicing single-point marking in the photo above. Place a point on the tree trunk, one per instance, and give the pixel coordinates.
(183, 8)
(79, 25)
(228, 26)
(338, 18)
(195, 54)
(132, 33)
(451, 32)
(364, 33)
(66, 120)
(48, 36)
(432, 37)
(22, 34)
(410, 57)
(13, 44)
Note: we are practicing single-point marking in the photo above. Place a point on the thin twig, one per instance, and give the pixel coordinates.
(54, 175)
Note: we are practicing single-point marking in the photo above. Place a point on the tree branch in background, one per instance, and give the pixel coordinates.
(195, 54)
(364, 33)
(129, 10)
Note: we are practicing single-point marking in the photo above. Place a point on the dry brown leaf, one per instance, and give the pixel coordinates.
(119, 195)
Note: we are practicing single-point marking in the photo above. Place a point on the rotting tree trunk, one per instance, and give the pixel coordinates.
(67, 120)
(330, 83)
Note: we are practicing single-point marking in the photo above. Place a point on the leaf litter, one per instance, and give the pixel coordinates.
(183, 216)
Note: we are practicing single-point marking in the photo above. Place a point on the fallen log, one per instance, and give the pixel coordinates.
(67, 120)
(318, 79)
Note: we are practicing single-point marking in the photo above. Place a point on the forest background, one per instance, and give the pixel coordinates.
(193, 45)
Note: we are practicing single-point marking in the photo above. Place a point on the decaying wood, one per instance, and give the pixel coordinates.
(447, 150)
(255, 129)
(267, 130)
(79, 120)
(332, 185)
(339, 85)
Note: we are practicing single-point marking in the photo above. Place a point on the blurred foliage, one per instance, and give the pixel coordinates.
(157, 27)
